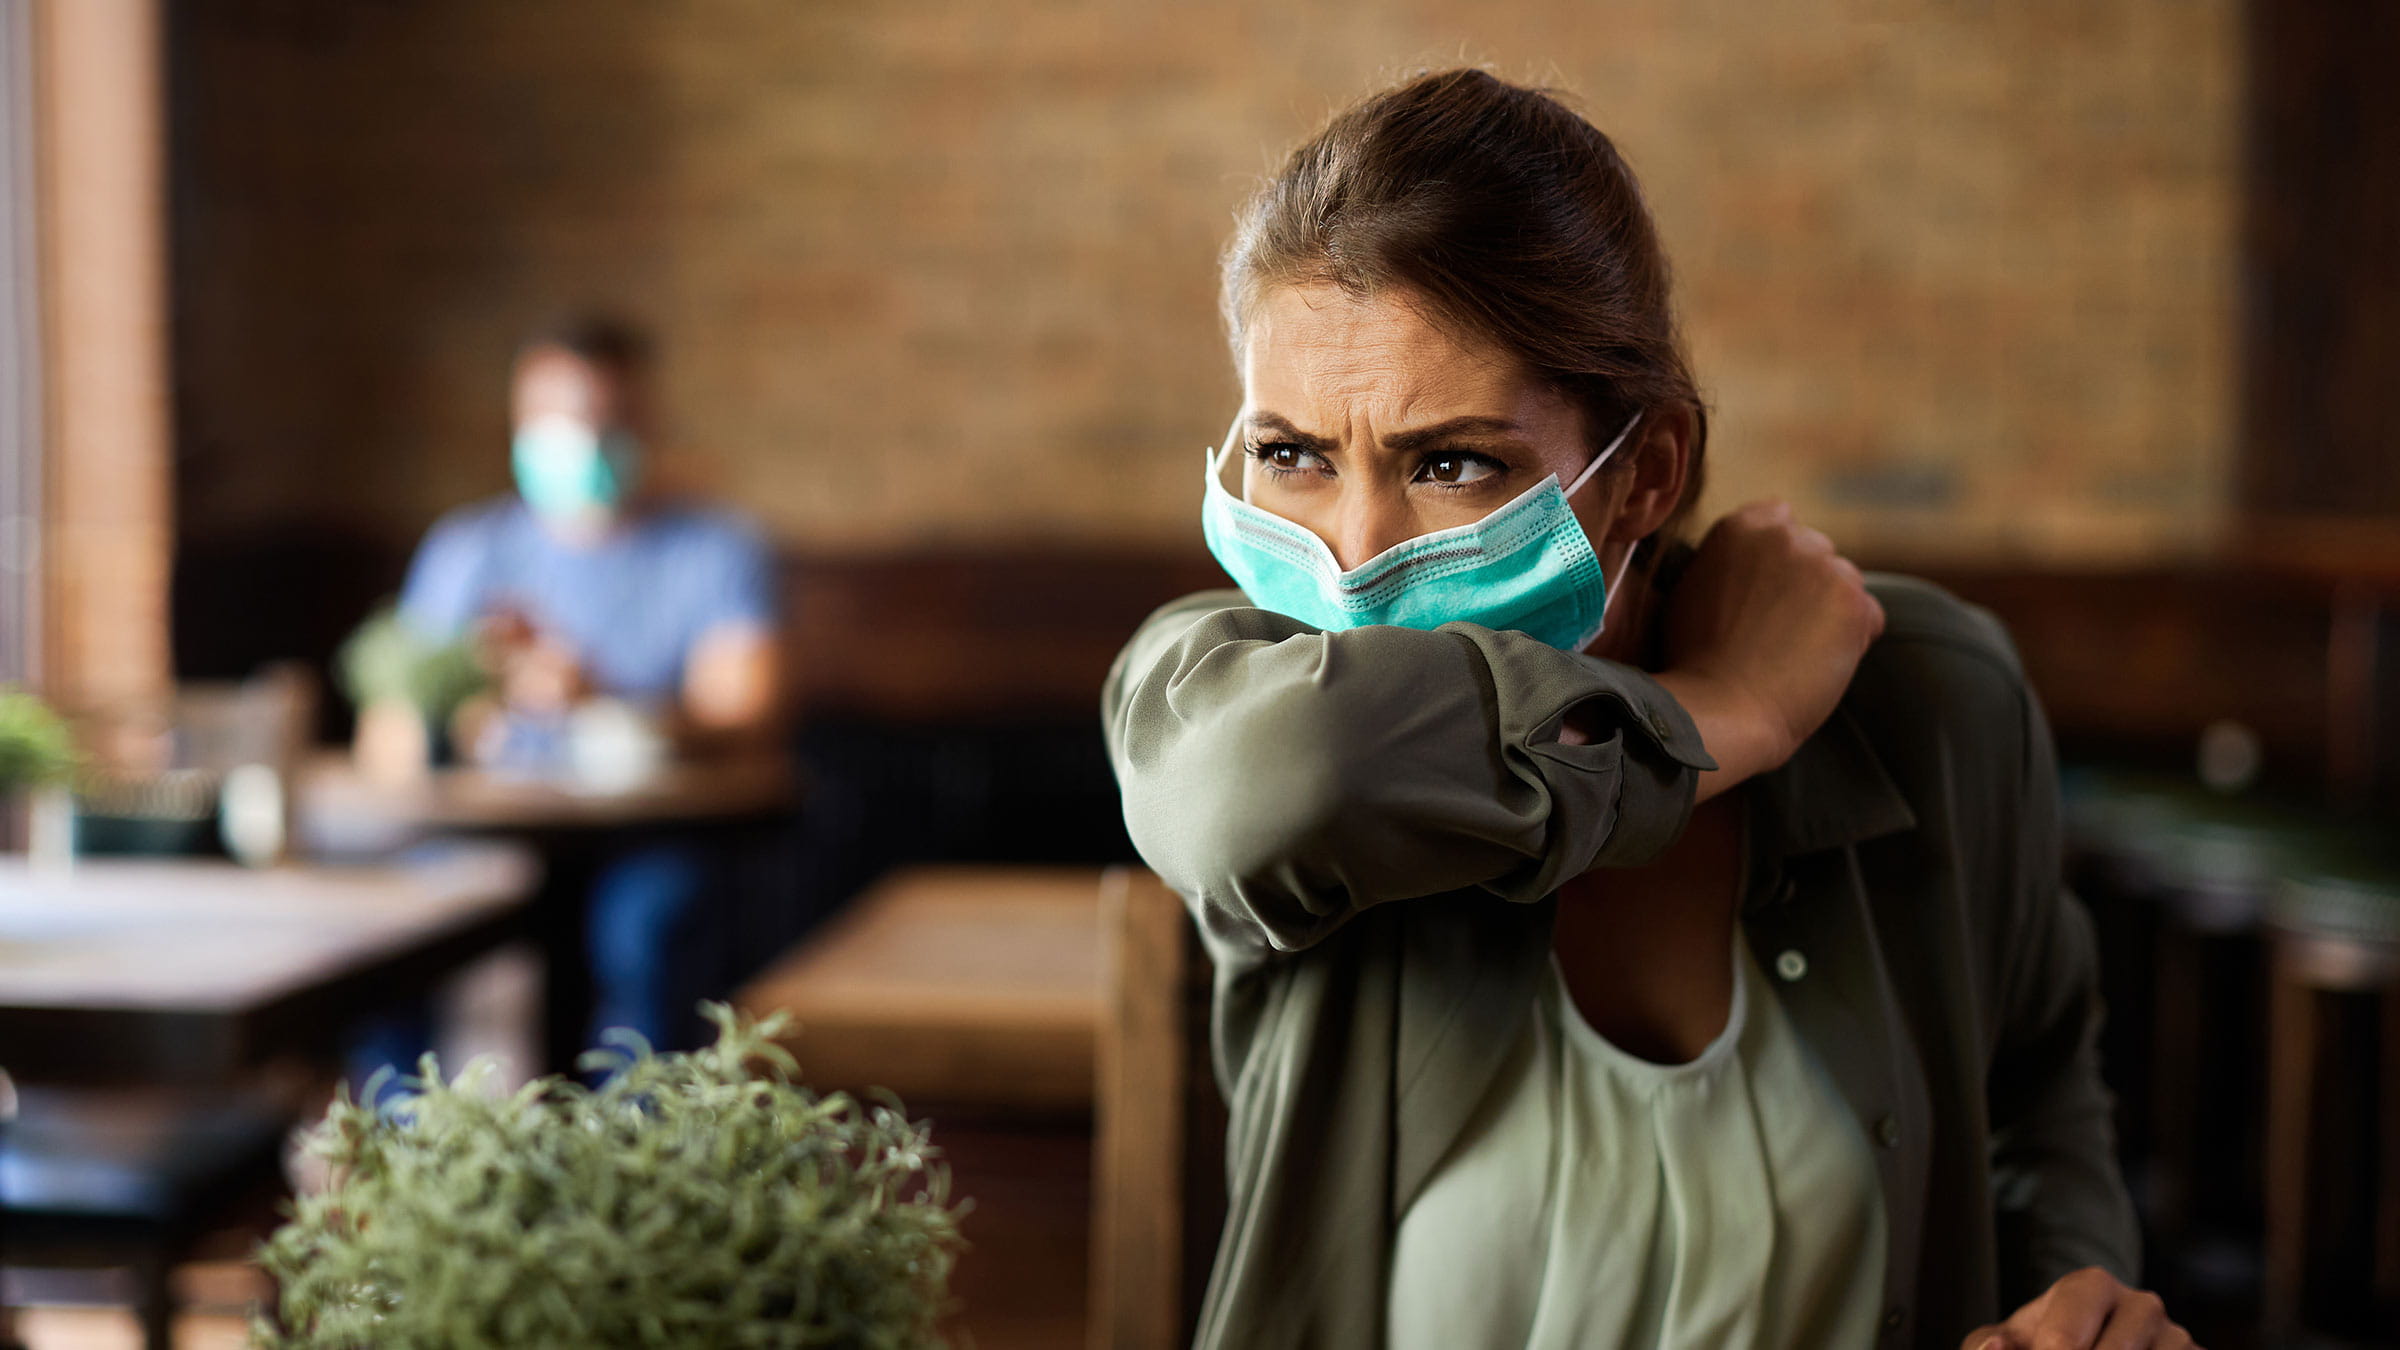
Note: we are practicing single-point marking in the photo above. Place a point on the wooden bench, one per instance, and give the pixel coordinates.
(981, 989)
(973, 987)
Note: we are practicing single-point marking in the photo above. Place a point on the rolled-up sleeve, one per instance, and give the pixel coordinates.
(1282, 778)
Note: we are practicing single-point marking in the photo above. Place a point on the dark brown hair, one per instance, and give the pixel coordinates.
(1509, 216)
(600, 339)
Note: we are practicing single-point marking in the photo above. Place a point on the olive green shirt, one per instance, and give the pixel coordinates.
(1370, 826)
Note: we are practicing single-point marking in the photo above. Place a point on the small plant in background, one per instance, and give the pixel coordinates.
(686, 1202)
(386, 661)
(36, 749)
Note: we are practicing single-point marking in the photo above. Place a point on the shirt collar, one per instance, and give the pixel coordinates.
(1834, 791)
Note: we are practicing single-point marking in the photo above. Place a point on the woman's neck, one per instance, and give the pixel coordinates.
(1636, 631)
(1643, 948)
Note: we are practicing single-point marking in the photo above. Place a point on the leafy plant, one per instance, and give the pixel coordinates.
(35, 747)
(386, 660)
(686, 1202)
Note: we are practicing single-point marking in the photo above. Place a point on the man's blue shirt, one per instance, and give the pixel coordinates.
(631, 604)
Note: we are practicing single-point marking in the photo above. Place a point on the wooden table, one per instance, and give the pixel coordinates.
(342, 812)
(334, 796)
(973, 986)
(184, 970)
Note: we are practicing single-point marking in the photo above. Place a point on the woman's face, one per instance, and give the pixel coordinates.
(1369, 425)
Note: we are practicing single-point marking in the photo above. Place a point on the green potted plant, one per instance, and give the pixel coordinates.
(406, 687)
(37, 763)
(688, 1201)
(35, 748)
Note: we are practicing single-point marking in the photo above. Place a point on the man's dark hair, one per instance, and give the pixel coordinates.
(602, 339)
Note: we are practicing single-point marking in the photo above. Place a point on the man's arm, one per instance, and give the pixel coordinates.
(732, 685)
(443, 594)
(733, 674)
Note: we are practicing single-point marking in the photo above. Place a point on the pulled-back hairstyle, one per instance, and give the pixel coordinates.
(1504, 212)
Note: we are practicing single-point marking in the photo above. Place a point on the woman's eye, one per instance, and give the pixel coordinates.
(1456, 470)
(1284, 457)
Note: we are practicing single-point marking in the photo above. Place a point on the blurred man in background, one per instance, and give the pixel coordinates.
(620, 625)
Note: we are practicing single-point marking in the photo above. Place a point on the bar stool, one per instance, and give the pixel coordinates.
(2111, 817)
(2333, 1134)
(2213, 864)
(133, 1180)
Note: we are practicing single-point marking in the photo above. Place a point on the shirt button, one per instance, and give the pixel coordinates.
(1893, 1319)
(1791, 965)
(1659, 725)
(1887, 1132)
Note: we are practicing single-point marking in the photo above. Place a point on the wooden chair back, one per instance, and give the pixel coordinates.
(1159, 1125)
(212, 764)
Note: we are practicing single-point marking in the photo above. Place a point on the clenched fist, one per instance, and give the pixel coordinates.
(1763, 634)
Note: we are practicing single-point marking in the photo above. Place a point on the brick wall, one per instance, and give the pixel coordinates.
(1958, 276)
(106, 508)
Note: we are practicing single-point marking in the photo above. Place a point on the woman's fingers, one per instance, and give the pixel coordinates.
(2088, 1310)
(1764, 511)
(2092, 1310)
(2138, 1322)
(1770, 608)
(2071, 1314)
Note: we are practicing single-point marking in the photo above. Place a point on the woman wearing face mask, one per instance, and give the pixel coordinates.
(1617, 943)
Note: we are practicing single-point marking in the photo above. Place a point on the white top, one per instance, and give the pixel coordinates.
(1599, 1199)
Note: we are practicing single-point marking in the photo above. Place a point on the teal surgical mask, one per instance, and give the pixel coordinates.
(566, 469)
(1527, 566)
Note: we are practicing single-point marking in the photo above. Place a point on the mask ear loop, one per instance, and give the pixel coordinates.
(1221, 454)
(1608, 594)
(1602, 458)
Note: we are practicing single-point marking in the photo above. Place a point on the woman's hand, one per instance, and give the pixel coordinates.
(1767, 627)
(2088, 1310)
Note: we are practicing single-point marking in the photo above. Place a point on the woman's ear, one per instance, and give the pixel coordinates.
(1660, 452)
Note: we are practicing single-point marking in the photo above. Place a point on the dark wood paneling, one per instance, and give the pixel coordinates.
(2321, 331)
(1025, 633)
(241, 602)
(2135, 659)
(2139, 661)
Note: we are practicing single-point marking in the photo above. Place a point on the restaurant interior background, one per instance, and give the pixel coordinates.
(2089, 309)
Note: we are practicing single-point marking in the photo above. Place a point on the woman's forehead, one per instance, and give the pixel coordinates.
(1316, 351)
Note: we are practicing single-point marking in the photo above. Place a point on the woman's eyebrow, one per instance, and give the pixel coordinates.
(1282, 426)
(1399, 442)
(1404, 441)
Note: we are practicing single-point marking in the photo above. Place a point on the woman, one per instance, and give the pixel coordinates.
(1534, 1030)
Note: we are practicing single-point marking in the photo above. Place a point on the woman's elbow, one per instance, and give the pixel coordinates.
(1234, 821)
(1242, 833)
